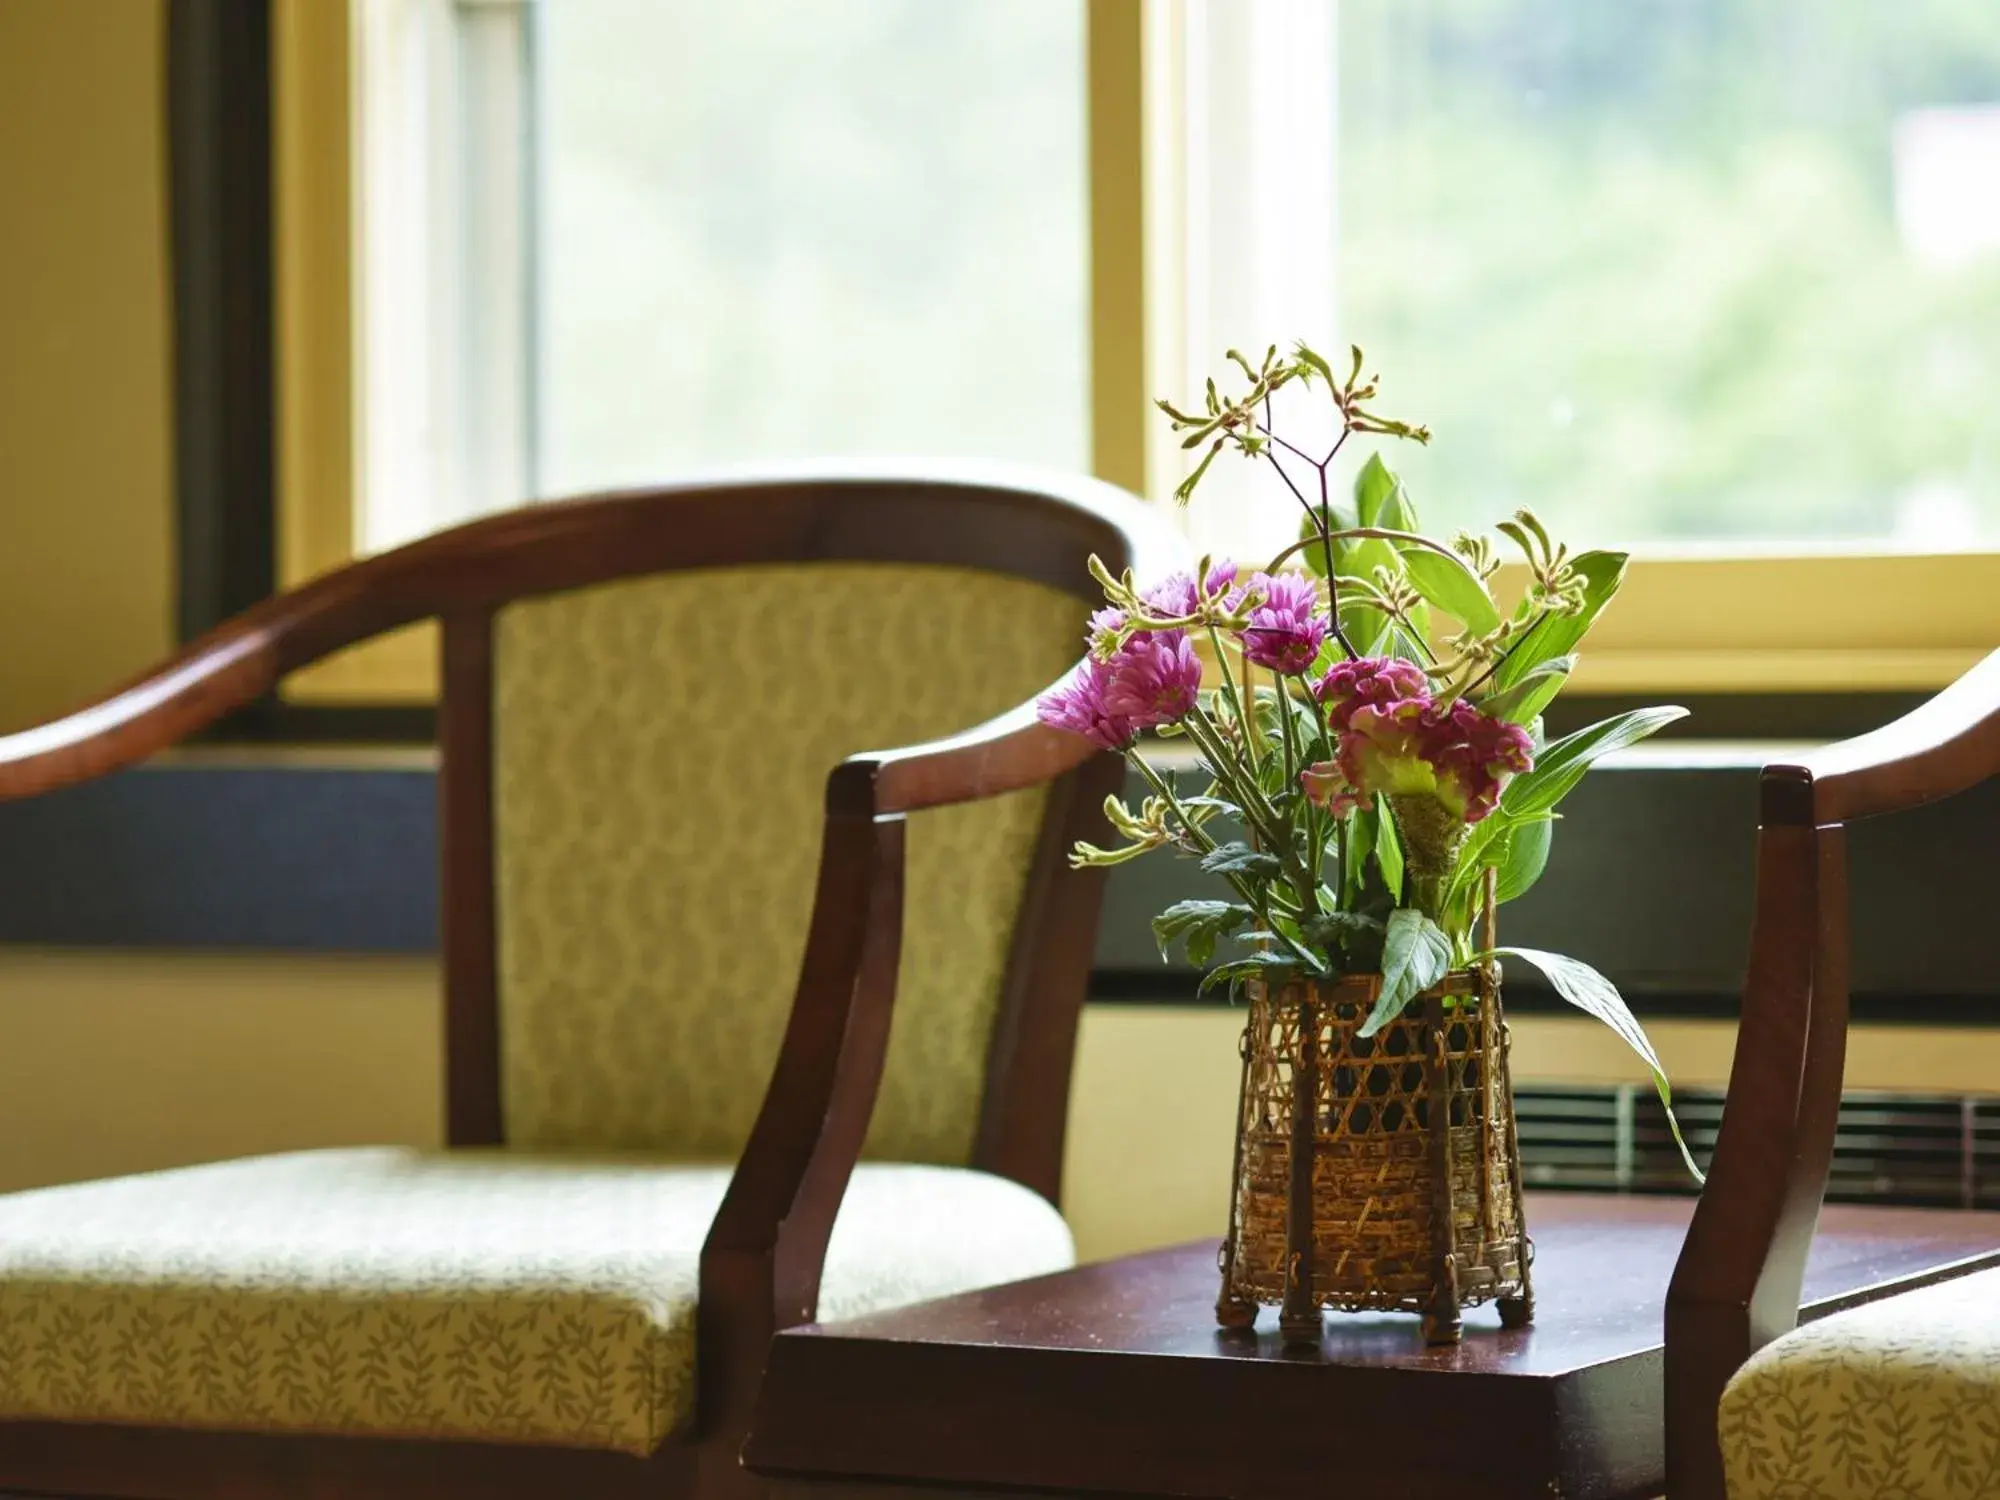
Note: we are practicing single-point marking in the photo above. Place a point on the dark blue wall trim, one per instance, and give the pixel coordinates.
(1650, 878)
(223, 852)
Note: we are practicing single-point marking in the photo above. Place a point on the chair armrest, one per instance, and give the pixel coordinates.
(761, 1264)
(1005, 754)
(1950, 743)
(187, 694)
(234, 664)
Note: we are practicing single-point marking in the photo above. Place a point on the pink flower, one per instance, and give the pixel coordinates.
(1286, 630)
(1154, 680)
(1325, 785)
(1175, 595)
(1475, 754)
(1078, 705)
(1368, 681)
(1455, 755)
(1102, 634)
(1382, 749)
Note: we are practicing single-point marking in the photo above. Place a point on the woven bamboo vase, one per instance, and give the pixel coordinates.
(1391, 1181)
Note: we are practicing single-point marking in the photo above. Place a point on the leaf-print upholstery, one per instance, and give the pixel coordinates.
(1899, 1398)
(484, 1295)
(661, 754)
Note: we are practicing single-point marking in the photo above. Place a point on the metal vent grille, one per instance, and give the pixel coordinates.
(1930, 1150)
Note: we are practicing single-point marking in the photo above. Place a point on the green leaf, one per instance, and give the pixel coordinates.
(1557, 635)
(1347, 933)
(1399, 511)
(1416, 954)
(1271, 772)
(1474, 855)
(1523, 854)
(1593, 994)
(1374, 487)
(1238, 858)
(1388, 848)
(1198, 924)
(1453, 587)
(1561, 765)
(1238, 969)
(1534, 692)
(1335, 517)
(1363, 623)
(1359, 845)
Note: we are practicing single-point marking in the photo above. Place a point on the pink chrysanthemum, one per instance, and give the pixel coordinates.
(1175, 595)
(1154, 680)
(1287, 629)
(1078, 705)
(1368, 681)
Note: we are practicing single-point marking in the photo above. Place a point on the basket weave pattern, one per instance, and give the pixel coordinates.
(1378, 1174)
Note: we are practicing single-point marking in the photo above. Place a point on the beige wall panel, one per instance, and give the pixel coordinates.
(85, 521)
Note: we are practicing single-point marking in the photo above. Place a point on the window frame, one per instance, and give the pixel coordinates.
(1789, 625)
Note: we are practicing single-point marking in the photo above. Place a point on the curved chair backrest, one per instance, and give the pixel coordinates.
(643, 695)
(1741, 1271)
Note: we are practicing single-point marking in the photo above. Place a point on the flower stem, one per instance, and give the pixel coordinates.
(1257, 900)
(1273, 827)
(1236, 704)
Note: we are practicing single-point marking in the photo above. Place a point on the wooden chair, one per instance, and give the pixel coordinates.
(654, 706)
(1736, 1288)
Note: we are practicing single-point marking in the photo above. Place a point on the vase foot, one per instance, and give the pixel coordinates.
(1234, 1313)
(1302, 1328)
(1517, 1312)
(1443, 1327)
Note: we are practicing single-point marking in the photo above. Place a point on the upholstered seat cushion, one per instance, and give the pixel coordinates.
(479, 1295)
(1897, 1398)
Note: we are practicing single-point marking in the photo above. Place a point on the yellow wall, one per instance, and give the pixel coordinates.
(115, 1062)
(85, 520)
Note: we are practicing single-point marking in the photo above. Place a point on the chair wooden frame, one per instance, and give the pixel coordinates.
(761, 1264)
(1737, 1283)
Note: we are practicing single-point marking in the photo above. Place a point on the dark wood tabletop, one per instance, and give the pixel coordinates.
(1113, 1377)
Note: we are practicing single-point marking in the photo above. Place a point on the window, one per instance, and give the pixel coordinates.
(655, 235)
(1719, 280)
(1717, 273)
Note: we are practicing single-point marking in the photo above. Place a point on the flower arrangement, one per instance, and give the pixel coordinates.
(1371, 749)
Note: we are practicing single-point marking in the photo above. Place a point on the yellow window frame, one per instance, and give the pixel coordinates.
(1723, 624)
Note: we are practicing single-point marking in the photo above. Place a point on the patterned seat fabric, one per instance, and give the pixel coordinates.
(471, 1295)
(1898, 1398)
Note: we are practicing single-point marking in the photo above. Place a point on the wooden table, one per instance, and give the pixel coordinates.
(1114, 1377)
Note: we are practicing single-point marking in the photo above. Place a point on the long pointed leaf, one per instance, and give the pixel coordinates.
(1561, 765)
(1534, 692)
(1525, 856)
(1593, 994)
(1388, 848)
